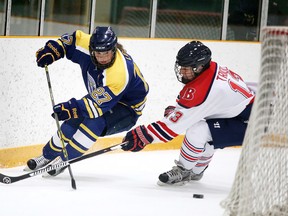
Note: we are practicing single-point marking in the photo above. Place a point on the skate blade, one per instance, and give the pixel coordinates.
(47, 175)
(27, 169)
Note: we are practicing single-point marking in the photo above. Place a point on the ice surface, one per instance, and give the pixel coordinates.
(121, 184)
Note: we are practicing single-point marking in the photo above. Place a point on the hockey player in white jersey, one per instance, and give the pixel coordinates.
(212, 109)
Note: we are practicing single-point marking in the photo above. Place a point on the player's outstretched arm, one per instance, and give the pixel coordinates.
(137, 139)
(52, 51)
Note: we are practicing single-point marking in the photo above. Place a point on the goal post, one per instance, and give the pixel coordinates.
(260, 187)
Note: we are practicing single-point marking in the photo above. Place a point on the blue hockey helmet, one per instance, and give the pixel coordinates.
(102, 39)
(195, 55)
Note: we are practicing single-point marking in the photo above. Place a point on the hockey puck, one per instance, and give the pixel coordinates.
(198, 196)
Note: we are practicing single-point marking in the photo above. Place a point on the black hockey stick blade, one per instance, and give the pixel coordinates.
(73, 182)
(12, 179)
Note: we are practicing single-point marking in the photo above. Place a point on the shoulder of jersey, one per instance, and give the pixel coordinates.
(195, 92)
(82, 39)
(79, 38)
(117, 76)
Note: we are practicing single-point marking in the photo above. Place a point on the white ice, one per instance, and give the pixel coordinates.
(121, 184)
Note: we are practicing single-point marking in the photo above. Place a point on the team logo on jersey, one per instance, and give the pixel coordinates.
(91, 83)
(217, 125)
(67, 39)
(189, 94)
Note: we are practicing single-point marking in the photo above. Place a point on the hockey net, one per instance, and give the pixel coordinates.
(260, 186)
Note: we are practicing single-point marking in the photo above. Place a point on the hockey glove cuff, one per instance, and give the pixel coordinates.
(51, 52)
(137, 139)
(169, 110)
(67, 110)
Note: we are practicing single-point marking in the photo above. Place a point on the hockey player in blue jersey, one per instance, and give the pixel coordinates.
(116, 95)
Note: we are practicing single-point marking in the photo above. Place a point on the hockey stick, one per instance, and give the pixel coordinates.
(12, 179)
(73, 182)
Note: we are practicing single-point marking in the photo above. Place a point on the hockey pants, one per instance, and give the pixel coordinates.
(81, 133)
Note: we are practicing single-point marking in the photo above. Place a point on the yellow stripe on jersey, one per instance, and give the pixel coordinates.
(139, 104)
(89, 131)
(88, 108)
(92, 108)
(138, 72)
(52, 147)
(139, 107)
(73, 145)
(100, 113)
(117, 76)
(82, 41)
(63, 137)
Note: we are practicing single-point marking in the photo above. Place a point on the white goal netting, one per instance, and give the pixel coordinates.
(260, 186)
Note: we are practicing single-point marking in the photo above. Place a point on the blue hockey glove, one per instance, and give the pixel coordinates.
(51, 52)
(137, 139)
(169, 110)
(67, 110)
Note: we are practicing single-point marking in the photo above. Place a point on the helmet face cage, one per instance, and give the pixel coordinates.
(103, 39)
(195, 55)
(177, 72)
(195, 70)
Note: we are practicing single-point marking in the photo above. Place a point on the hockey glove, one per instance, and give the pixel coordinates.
(169, 110)
(51, 52)
(137, 139)
(67, 110)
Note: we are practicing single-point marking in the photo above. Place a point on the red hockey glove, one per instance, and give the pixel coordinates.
(67, 110)
(51, 52)
(169, 110)
(137, 139)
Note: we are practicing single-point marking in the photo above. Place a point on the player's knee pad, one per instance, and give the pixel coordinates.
(198, 134)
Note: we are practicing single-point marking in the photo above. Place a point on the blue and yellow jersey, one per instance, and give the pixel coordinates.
(121, 83)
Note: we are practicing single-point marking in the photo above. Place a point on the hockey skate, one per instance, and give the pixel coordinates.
(55, 172)
(36, 163)
(178, 175)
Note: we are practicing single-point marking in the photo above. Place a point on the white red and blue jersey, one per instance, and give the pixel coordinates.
(121, 83)
(217, 93)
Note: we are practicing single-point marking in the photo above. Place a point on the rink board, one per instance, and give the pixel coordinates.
(11, 157)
